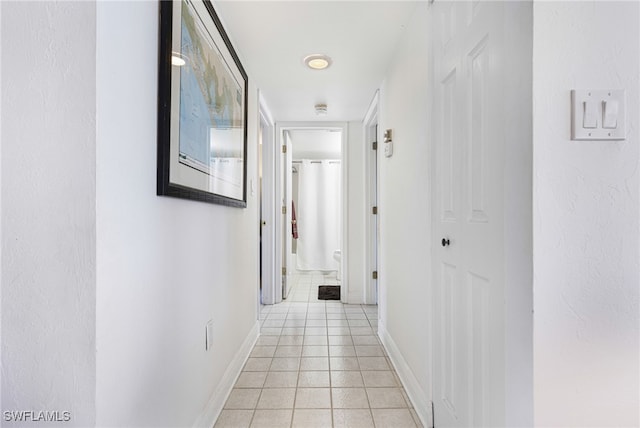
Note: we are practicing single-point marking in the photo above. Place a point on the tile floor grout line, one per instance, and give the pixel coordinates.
(316, 314)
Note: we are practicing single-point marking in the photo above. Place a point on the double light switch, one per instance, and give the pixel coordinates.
(598, 115)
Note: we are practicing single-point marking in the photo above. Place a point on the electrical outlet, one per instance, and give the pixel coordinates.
(208, 339)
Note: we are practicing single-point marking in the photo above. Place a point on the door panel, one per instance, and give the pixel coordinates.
(478, 59)
(468, 188)
(448, 143)
(449, 345)
(478, 327)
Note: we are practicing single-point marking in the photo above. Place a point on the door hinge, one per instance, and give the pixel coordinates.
(374, 210)
(374, 145)
(375, 274)
(284, 271)
(284, 149)
(284, 209)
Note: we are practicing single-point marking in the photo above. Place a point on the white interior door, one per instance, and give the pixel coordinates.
(468, 144)
(268, 293)
(288, 198)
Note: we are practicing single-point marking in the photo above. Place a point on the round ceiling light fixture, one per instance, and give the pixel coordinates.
(317, 61)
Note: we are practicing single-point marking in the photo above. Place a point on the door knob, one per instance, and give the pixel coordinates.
(445, 242)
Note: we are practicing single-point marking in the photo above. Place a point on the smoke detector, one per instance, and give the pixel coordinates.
(321, 109)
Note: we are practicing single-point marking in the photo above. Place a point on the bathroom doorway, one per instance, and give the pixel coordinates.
(312, 195)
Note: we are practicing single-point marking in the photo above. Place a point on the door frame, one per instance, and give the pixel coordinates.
(281, 127)
(286, 217)
(370, 124)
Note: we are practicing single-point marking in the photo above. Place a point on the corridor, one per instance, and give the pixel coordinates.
(502, 251)
(318, 364)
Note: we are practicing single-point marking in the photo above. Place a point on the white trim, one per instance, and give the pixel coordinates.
(277, 213)
(370, 295)
(264, 109)
(344, 242)
(98, 40)
(420, 400)
(288, 193)
(216, 402)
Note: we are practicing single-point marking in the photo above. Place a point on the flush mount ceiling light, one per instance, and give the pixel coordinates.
(317, 61)
(321, 109)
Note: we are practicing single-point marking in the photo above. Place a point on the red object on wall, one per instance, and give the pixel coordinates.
(294, 222)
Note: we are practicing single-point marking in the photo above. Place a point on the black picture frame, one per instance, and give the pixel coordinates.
(202, 107)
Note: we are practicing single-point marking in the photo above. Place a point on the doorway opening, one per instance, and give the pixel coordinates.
(310, 242)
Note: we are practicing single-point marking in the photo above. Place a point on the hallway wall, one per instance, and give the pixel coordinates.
(48, 224)
(166, 266)
(586, 220)
(356, 207)
(404, 213)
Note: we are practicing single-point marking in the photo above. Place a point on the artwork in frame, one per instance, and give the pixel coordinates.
(202, 107)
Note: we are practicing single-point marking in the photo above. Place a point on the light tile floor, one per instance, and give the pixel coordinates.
(318, 364)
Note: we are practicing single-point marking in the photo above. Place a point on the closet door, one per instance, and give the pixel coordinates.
(468, 147)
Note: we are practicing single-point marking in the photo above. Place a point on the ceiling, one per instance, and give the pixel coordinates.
(273, 37)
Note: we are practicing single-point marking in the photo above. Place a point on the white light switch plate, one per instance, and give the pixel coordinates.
(595, 102)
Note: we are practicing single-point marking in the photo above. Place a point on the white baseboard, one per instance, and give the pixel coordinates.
(211, 412)
(420, 400)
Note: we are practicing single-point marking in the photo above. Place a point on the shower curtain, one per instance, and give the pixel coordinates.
(318, 214)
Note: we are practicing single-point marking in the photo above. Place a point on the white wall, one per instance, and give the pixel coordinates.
(404, 212)
(48, 210)
(356, 212)
(586, 220)
(517, 217)
(315, 144)
(165, 266)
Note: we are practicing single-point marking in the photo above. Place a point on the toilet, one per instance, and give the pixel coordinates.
(337, 256)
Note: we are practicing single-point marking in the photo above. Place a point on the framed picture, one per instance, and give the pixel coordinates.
(202, 107)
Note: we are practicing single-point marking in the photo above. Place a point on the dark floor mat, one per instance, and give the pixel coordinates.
(328, 292)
